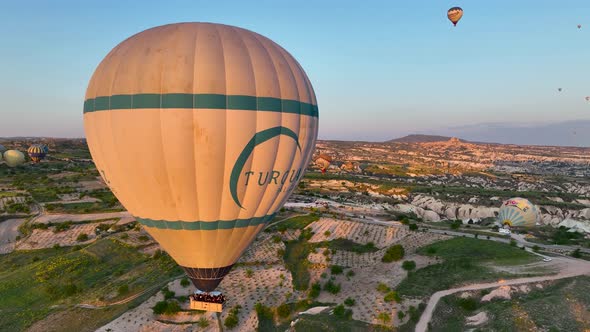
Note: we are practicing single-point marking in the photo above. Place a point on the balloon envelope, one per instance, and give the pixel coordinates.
(202, 131)
(14, 158)
(36, 153)
(454, 14)
(2, 149)
(323, 161)
(518, 212)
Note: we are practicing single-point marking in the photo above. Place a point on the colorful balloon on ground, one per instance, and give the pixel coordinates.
(202, 131)
(36, 153)
(14, 158)
(518, 212)
(454, 14)
(323, 161)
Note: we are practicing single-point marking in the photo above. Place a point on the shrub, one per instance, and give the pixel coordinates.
(82, 237)
(327, 233)
(203, 322)
(431, 250)
(513, 243)
(350, 273)
(284, 310)
(409, 265)
(536, 248)
(124, 236)
(335, 269)
(249, 273)
(276, 238)
(166, 308)
(184, 282)
(413, 227)
(143, 238)
(341, 312)
(324, 275)
(350, 301)
(393, 253)
(56, 246)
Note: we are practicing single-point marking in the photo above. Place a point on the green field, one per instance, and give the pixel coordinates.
(561, 306)
(33, 282)
(464, 260)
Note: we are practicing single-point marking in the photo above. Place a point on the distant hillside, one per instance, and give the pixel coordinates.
(417, 138)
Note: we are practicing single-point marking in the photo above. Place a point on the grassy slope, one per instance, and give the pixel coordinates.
(32, 282)
(463, 260)
(566, 300)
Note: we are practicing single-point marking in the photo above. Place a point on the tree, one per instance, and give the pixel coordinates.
(315, 290)
(284, 310)
(184, 282)
(384, 317)
(331, 287)
(82, 237)
(350, 301)
(576, 253)
(393, 253)
(335, 269)
(392, 296)
(123, 289)
(408, 265)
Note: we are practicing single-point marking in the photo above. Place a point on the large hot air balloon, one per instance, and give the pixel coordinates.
(518, 212)
(454, 14)
(323, 161)
(14, 158)
(202, 131)
(36, 153)
(45, 148)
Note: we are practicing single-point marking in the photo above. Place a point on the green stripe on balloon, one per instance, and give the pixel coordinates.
(257, 139)
(205, 225)
(199, 101)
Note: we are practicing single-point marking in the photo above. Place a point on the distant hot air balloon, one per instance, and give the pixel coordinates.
(579, 26)
(559, 89)
(45, 148)
(14, 158)
(2, 149)
(588, 98)
(234, 120)
(454, 14)
(36, 153)
(518, 212)
(323, 161)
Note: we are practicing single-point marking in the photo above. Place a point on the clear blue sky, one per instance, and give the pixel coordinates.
(380, 69)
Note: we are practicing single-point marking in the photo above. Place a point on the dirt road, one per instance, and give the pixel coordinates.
(571, 268)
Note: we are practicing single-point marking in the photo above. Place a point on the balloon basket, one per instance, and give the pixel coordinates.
(207, 301)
